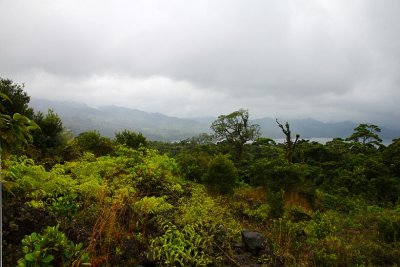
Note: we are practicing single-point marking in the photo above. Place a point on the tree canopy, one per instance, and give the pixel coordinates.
(130, 139)
(19, 99)
(236, 129)
(366, 134)
(15, 128)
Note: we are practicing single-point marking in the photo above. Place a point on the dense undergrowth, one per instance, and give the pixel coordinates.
(136, 207)
(93, 201)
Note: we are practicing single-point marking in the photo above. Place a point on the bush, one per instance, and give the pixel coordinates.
(186, 247)
(222, 174)
(52, 248)
(130, 139)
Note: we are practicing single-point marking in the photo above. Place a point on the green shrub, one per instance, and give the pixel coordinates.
(52, 248)
(222, 174)
(260, 213)
(186, 247)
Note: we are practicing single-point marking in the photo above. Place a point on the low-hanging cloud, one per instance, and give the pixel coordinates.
(330, 60)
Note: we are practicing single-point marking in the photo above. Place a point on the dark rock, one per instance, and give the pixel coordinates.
(239, 247)
(254, 241)
(279, 261)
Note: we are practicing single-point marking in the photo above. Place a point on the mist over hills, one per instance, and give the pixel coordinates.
(80, 117)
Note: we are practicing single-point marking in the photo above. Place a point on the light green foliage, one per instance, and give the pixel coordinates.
(30, 181)
(153, 205)
(198, 208)
(213, 215)
(259, 213)
(15, 131)
(52, 248)
(156, 175)
(333, 205)
(184, 247)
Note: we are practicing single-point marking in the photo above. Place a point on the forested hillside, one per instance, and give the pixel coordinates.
(230, 198)
(107, 120)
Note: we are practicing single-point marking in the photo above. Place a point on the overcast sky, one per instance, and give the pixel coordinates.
(330, 60)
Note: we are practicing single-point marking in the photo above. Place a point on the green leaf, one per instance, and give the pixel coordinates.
(19, 117)
(48, 258)
(30, 257)
(4, 96)
(25, 249)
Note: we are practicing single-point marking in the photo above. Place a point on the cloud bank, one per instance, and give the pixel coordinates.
(329, 60)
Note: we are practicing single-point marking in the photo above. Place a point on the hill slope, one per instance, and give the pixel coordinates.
(156, 126)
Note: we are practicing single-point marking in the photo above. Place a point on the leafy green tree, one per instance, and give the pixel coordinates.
(201, 139)
(391, 157)
(193, 166)
(313, 153)
(50, 140)
(130, 139)
(92, 141)
(50, 134)
(222, 174)
(289, 144)
(366, 134)
(18, 99)
(15, 129)
(236, 129)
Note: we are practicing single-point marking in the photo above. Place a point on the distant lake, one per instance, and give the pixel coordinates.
(323, 140)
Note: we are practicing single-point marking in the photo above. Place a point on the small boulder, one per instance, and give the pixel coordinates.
(253, 241)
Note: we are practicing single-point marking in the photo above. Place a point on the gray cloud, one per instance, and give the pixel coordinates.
(330, 60)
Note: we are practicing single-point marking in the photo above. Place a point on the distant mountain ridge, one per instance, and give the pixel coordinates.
(107, 120)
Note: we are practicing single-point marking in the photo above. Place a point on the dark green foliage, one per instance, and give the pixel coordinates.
(222, 174)
(93, 142)
(130, 139)
(16, 125)
(290, 145)
(15, 129)
(19, 99)
(50, 140)
(278, 174)
(366, 134)
(128, 205)
(236, 129)
(312, 153)
(193, 166)
(391, 157)
(49, 134)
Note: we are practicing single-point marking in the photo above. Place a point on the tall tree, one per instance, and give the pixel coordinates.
(50, 135)
(92, 141)
(289, 144)
(236, 129)
(19, 99)
(130, 139)
(15, 129)
(366, 134)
